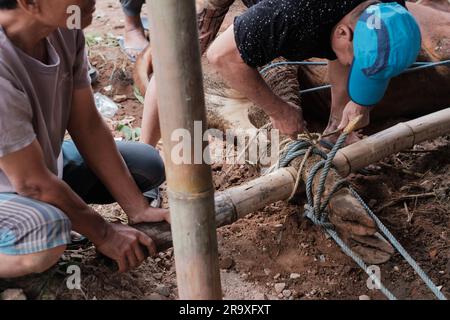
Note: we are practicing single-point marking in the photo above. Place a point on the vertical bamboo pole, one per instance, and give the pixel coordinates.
(181, 99)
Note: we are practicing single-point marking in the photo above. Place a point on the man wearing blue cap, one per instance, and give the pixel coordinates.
(366, 42)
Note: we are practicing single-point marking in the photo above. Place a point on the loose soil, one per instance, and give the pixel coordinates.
(275, 245)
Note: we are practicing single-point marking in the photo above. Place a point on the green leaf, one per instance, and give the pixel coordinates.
(138, 95)
(129, 134)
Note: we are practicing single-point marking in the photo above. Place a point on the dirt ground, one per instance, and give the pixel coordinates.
(274, 253)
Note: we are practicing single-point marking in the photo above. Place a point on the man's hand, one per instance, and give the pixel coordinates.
(150, 215)
(288, 119)
(125, 245)
(353, 110)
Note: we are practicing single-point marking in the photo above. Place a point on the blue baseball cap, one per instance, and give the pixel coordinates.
(387, 41)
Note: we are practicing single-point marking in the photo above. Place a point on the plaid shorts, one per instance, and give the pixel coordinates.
(30, 226)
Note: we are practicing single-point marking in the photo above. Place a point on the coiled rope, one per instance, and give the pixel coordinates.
(315, 209)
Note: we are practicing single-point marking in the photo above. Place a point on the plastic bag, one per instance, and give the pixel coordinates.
(105, 105)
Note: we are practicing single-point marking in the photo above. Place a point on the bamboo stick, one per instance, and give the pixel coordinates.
(190, 189)
(390, 141)
(236, 202)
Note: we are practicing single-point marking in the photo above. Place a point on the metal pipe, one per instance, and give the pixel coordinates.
(181, 100)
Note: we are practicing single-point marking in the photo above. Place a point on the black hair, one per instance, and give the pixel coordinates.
(8, 4)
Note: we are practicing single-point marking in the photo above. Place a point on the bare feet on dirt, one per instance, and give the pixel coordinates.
(135, 39)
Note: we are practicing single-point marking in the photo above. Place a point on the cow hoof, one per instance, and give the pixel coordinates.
(372, 249)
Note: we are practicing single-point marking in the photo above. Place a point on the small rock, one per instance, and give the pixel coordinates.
(396, 269)
(294, 276)
(13, 294)
(120, 98)
(277, 276)
(267, 271)
(279, 287)
(163, 290)
(226, 263)
(280, 296)
(155, 296)
(158, 276)
(287, 293)
(364, 297)
(260, 296)
(322, 258)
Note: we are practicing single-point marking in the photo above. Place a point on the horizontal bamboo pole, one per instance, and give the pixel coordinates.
(236, 202)
(392, 140)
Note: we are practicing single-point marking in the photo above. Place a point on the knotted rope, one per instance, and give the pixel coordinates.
(315, 209)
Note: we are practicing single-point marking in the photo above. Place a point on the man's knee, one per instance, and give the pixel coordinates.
(224, 52)
(215, 56)
(144, 163)
(42, 261)
(13, 266)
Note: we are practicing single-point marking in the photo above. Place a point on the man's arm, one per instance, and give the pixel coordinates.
(343, 110)
(225, 57)
(98, 148)
(30, 177)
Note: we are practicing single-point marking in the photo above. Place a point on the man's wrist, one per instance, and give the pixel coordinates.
(96, 228)
(135, 208)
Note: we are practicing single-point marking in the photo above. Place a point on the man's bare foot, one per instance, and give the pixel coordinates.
(135, 40)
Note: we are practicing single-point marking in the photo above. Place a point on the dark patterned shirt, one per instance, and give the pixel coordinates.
(293, 29)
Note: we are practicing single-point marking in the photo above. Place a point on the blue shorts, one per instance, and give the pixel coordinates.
(30, 226)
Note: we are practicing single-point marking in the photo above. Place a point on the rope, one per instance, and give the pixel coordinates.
(315, 209)
(417, 66)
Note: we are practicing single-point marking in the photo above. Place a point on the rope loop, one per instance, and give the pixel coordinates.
(315, 209)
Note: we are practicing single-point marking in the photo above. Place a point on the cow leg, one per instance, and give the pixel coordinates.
(210, 16)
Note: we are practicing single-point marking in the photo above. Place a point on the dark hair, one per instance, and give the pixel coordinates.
(8, 4)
